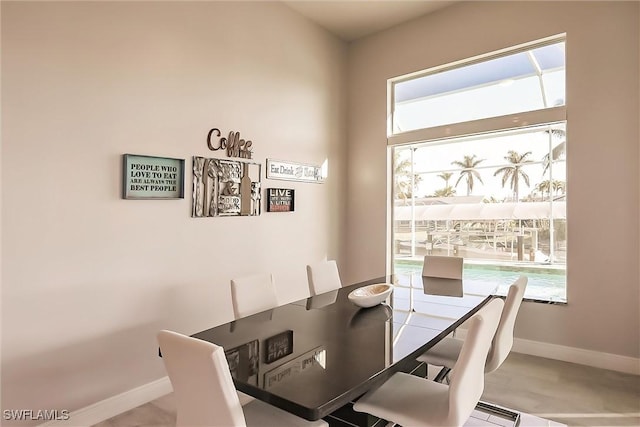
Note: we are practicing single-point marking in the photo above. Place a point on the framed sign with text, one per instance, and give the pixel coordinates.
(280, 200)
(149, 177)
(290, 171)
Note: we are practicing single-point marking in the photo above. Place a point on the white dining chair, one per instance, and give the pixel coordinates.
(444, 267)
(204, 390)
(446, 352)
(442, 287)
(253, 294)
(414, 401)
(323, 277)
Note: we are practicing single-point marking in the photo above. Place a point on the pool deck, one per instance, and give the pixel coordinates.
(496, 264)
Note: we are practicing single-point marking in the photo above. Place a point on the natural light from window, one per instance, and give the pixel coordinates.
(496, 198)
(525, 81)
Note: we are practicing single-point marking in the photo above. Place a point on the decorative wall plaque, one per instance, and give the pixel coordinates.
(149, 177)
(278, 169)
(233, 144)
(225, 188)
(280, 200)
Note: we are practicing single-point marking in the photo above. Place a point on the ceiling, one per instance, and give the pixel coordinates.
(352, 19)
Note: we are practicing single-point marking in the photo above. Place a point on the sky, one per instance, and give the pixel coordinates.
(433, 159)
(525, 81)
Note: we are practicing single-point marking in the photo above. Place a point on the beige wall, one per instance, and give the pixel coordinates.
(90, 278)
(602, 156)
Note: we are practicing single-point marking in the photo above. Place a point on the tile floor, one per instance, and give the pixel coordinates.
(571, 394)
(161, 413)
(546, 392)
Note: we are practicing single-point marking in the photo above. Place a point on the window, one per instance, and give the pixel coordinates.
(529, 80)
(495, 192)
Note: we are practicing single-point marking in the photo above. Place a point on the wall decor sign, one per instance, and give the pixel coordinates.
(278, 346)
(280, 200)
(149, 177)
(235, 146)
(315, 357)
(278, 169)
(225, 188)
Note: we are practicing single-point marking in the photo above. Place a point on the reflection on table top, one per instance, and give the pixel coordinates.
(339, 350)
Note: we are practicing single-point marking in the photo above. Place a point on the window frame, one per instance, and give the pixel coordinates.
(479, 127)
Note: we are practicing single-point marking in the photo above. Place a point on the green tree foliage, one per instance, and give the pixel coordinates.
(447, 191)
(403, 188)
(558, 151)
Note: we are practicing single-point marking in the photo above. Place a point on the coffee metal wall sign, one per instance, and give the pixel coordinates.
(291, 171)
(233, 144)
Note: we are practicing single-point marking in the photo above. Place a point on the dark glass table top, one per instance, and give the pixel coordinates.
(313, 356)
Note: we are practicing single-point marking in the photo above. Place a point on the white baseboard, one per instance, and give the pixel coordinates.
(114, 405)
(596, 359)
(614, 362)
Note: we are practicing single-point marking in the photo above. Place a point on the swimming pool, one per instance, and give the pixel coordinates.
(545, 283)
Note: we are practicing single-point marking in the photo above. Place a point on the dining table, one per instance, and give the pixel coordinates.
(315, 356)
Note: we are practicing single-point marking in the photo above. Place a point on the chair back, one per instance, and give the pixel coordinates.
(201, 380)
(503, 341)
(467, 376)
(322, 300)
(323, 277)
(446, 267)
(253, 294)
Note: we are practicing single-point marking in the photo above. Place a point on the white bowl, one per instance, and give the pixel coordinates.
(371, 295)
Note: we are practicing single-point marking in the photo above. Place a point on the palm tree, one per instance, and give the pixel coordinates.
(514, 172)
(446, 176)
(402, 177)
(549, 186)
(468, 165)
(447, 191)
(558, 151)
